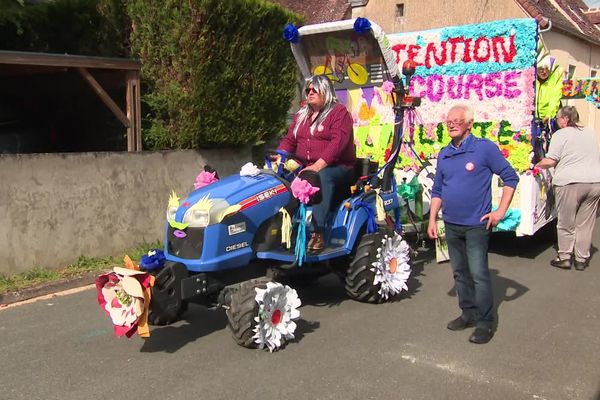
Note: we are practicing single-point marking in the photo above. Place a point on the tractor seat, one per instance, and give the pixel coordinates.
(364, 167)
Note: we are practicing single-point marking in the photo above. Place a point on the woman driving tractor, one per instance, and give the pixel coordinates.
(321, 137)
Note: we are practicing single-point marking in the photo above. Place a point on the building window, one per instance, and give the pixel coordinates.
(399, 10)
(571, 71)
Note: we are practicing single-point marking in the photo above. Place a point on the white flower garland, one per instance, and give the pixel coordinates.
(392, 268)
(278, 307)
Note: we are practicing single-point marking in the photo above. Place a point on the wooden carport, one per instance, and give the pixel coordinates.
(15, 63)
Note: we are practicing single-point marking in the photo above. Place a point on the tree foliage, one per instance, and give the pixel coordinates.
(85, 27)
(220, 73)
(214, 72)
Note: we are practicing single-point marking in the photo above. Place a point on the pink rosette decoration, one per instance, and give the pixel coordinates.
(387, 87)
(302, 190)
(205, 178)
(124, 295)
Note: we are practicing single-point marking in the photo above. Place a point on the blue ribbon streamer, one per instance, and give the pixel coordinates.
(300, 250)
(397, 221)
(371, 220)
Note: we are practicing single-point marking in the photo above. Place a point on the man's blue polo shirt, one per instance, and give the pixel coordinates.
(463, 179)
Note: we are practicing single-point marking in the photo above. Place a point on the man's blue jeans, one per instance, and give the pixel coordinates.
(468, 250)
(335, 185)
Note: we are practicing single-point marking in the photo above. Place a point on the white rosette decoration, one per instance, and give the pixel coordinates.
(278, 307)
(392, 268)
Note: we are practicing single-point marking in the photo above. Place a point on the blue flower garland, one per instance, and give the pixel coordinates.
(290, 33)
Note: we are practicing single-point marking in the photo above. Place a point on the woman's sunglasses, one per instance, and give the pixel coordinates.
(310, 90)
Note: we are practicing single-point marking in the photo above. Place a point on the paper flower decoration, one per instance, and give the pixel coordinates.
(277, 310)
(124, 295)
(388, 87)
(249, 169)
(362, 25)
(392, 268)
(510, 222)
(302, 190)
(155, 259)
(205, 178)
(290, 33)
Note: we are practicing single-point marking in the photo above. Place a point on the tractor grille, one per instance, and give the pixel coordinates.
(188, 247)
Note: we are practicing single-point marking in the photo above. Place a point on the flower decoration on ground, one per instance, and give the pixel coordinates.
(205, 178)
(303, 190)
(290, 33)
(392, 268)
(124, 294)
(277, 310)
(155, 259)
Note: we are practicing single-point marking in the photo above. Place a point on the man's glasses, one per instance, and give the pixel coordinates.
(310, 90)
(455, 122)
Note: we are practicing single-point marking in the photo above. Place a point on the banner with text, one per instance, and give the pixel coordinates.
(488, 66)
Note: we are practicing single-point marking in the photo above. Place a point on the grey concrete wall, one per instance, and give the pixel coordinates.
(57, 207)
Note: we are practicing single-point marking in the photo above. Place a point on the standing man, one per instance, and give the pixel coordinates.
(462, 189)
(548, 93)
(548, 90)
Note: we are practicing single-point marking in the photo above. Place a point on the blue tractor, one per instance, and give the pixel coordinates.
(224, 240)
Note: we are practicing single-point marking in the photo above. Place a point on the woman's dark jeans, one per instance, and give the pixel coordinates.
(468, 250)
(335, 185)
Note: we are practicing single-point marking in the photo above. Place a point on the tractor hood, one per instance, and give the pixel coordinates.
(219, 199)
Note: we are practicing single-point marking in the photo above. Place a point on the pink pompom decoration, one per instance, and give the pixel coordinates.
(387, 87)
(302, 190)
(205, 178)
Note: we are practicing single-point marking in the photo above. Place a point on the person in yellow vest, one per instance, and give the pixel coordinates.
(548, 94)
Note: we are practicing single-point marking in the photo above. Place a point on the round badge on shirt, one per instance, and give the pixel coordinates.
(470, 166)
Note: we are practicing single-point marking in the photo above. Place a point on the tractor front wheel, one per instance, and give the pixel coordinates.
(243, 308)
(166, 305)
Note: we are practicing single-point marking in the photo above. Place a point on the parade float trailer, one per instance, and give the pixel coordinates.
(489, 67)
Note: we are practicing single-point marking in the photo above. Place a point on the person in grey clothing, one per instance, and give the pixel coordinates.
(574, 154)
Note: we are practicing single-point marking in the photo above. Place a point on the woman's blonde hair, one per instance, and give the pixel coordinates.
(571, 114)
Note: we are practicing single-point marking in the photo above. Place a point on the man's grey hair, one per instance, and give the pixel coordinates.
(469, 114)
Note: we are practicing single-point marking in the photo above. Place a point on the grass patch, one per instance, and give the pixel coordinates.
(83, 265)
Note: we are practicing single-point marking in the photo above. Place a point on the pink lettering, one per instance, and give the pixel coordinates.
(474, 82)
(509, 83)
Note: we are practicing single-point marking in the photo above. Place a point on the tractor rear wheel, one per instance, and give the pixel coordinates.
(243, 308)
(360, 277)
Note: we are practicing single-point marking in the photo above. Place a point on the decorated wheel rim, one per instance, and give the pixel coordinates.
(392, 267)
(277, 310)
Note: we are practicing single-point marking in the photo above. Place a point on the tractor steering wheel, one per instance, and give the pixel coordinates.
(283, 156)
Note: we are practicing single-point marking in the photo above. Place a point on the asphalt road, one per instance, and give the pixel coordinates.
(546, 346)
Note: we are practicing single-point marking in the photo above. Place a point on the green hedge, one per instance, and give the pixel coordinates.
(219, 72)
(85, 27)
(215, 72)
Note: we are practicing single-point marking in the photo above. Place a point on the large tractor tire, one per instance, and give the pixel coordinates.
(242, 310)
(360, 278)
(166, 305)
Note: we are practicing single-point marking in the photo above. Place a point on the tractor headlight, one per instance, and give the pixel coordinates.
(196, 218)
(171, 211)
